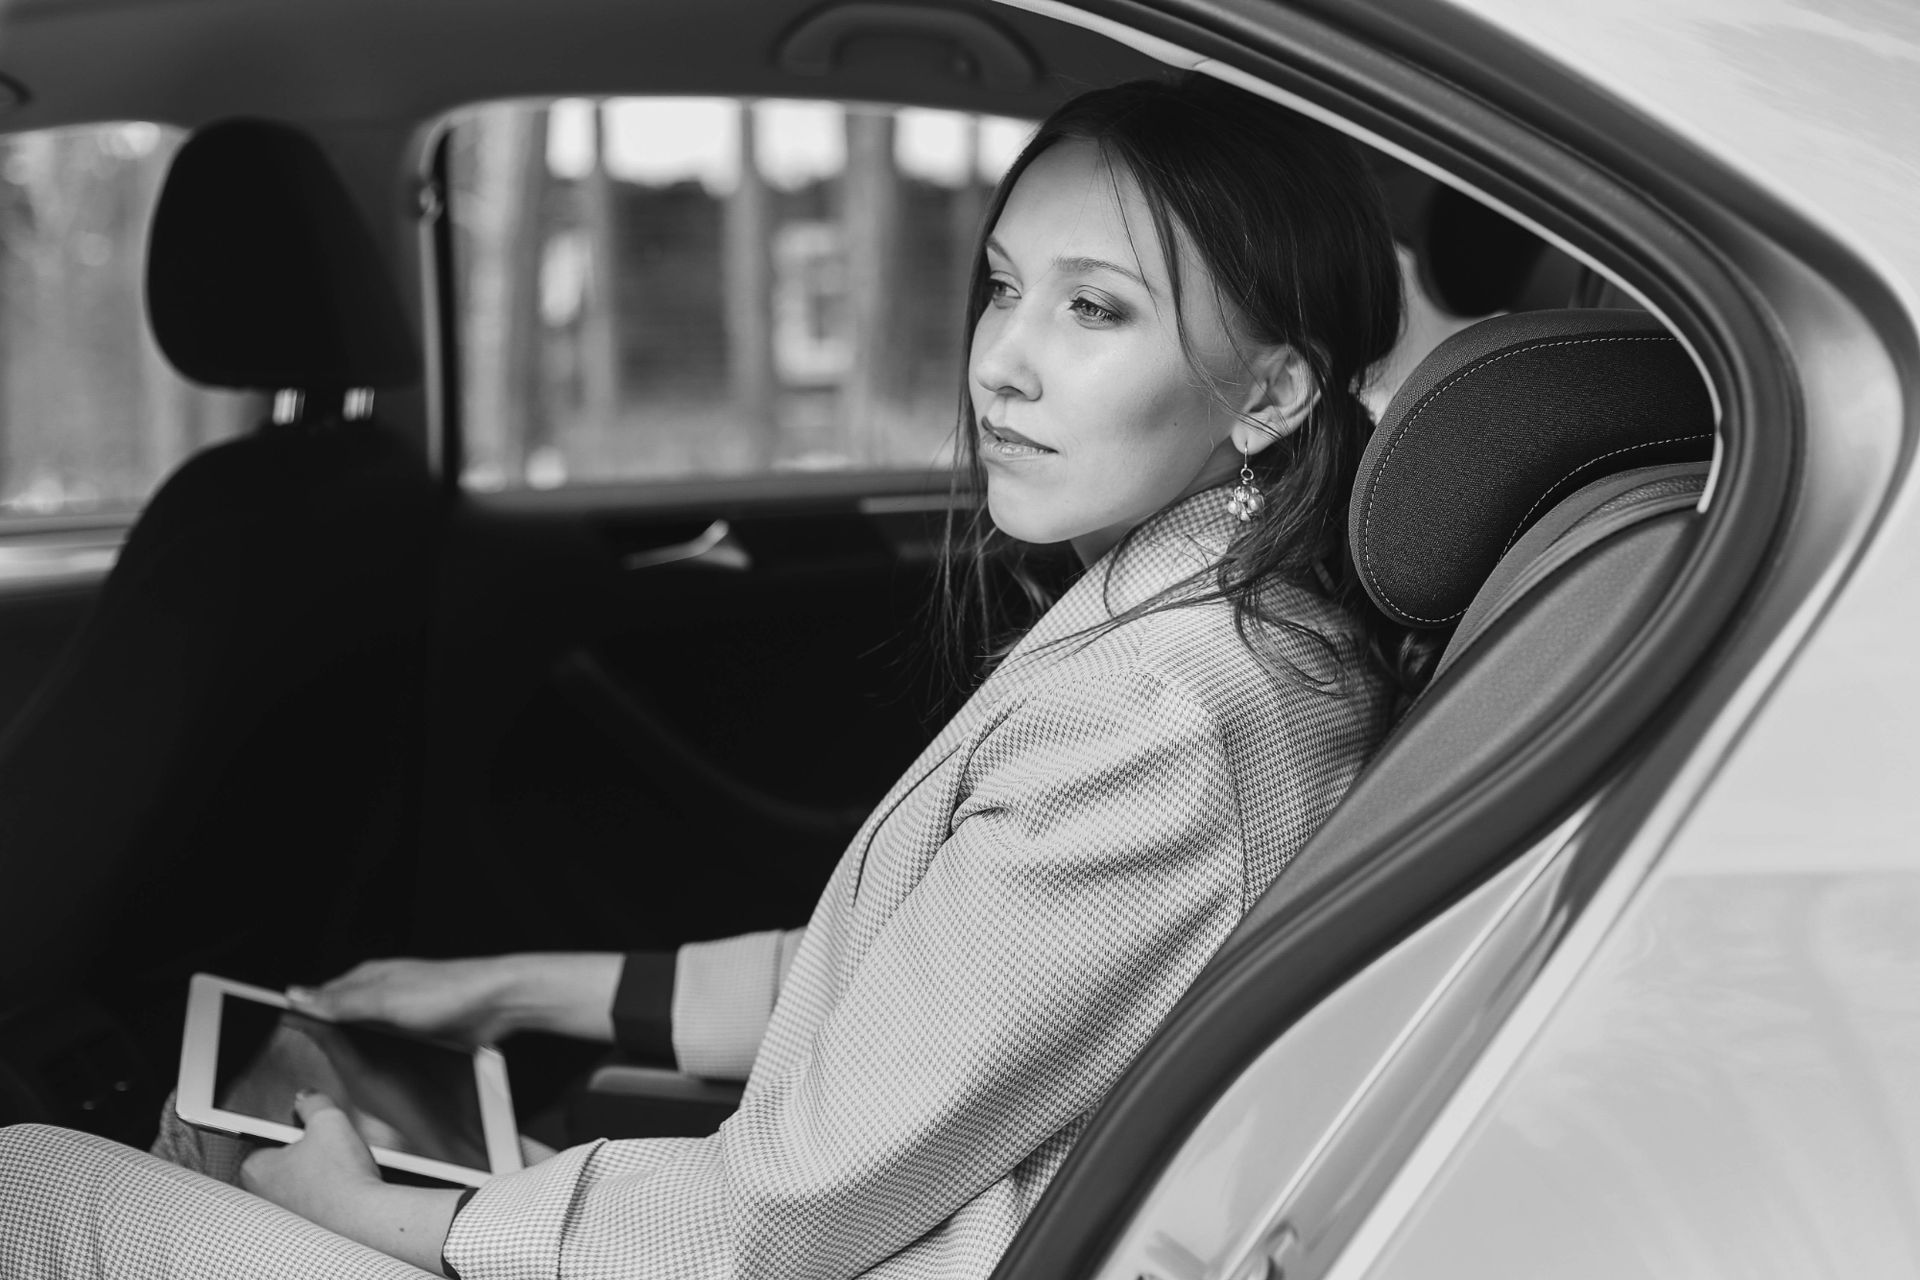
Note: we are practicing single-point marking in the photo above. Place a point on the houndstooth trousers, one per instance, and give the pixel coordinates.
(998, 942)
(75, 1205)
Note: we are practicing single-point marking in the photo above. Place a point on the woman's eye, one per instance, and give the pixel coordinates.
(1088, 309)
(999, 291)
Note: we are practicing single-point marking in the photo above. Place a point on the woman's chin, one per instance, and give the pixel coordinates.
(1022, 517)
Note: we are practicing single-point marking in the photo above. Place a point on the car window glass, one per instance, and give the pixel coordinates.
(91, 415)
(664, 288)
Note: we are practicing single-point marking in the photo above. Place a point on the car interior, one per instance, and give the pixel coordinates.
(332, 702)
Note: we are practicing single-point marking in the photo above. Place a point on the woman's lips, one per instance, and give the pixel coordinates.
(1002, 442)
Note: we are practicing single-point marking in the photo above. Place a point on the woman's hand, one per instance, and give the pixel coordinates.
(465, 1000)
(476, 1001)
(324, 1176)
(328, 1177)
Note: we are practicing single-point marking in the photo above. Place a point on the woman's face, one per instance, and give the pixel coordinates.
(1091, 415)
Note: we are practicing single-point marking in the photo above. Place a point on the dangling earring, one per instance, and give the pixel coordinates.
(1246, 499)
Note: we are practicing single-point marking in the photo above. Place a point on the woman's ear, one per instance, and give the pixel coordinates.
(1282, 394)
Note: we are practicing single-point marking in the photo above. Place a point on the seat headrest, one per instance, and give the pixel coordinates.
(1494, 427)
(1473, 260)
(261, 274)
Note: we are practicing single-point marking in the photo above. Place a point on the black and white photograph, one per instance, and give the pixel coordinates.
(959, 640)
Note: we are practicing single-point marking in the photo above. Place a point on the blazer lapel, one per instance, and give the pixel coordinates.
(1186, 538)
(1077, 609)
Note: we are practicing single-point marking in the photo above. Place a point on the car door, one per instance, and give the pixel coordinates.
(704, 362)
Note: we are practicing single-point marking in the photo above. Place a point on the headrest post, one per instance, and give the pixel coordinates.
(289, 404)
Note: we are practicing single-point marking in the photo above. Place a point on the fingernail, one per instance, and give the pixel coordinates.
(302, 994)
(301, 1095)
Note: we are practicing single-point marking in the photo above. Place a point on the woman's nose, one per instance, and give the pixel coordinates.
(1000, 362)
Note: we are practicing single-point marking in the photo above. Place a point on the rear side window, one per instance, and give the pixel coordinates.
(652, 289)
(91, 416)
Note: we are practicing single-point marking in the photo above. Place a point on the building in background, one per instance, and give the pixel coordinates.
(665, 288)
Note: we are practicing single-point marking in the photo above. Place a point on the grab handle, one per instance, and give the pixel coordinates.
(713, 548)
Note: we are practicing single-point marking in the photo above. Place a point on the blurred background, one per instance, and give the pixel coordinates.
(645, 289)
(91, 417)
(660, 288)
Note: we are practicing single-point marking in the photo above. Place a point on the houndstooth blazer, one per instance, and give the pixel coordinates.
(997, 943)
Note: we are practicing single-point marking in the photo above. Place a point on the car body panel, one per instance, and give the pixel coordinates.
(1287, 1117)
(1717, 1081)
(1782, 793)
(1729, 1091)
(1724, 765)
(1812, 99)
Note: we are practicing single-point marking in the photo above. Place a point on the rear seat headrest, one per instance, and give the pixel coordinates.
(1498, 424)
(1473, 260)
(261, 274)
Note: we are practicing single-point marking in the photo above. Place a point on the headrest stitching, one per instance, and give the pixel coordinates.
(1406, 429)
(1645, 444)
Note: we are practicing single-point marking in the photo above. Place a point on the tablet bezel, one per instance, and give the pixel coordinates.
(199, 1048)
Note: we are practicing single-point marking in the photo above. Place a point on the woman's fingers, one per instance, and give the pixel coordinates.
(329, 1127)
(435, 997)
(311, 1103)
(362, 993)
(324, 1174)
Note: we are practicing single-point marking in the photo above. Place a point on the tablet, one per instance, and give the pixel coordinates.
(424, 1106)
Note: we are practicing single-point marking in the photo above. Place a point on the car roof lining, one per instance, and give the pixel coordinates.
(203, 60)
(325, 64)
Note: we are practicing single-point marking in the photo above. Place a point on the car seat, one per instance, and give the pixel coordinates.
(221, 758)
(1475, 261)
(1472, 261)
(1534, 488)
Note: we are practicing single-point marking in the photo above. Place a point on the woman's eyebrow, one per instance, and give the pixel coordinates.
(1076, 265)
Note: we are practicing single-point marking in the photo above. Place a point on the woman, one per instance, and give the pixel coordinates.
(1180, 291)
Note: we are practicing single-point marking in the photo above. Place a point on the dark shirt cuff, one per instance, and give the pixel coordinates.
(458, 1205)
(643, 1006)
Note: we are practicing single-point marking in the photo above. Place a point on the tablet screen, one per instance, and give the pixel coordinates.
(404, 1094)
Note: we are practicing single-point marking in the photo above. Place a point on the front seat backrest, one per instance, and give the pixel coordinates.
(228, 710)
(1500, 426)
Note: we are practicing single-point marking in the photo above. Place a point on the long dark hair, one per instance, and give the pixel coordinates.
(1294, 233)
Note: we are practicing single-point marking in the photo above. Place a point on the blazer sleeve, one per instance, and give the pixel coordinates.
(723, 995)
(1093, 863)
